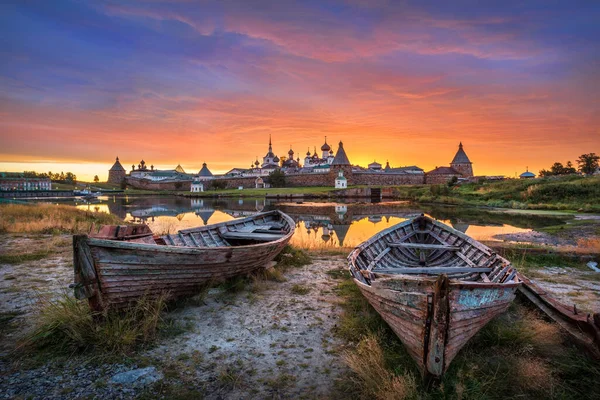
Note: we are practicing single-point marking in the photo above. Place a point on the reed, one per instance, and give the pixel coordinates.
(50, 218)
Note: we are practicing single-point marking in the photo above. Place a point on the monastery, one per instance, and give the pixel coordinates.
(325, 169)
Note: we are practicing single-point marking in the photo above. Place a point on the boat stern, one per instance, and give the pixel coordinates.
(86, 284)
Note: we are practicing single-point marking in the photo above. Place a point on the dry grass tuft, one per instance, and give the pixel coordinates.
(376, 381)
(65, 323)
(50, 218)
(534, 374)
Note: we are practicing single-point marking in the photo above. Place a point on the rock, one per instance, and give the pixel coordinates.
(593, 265)
(138, 376)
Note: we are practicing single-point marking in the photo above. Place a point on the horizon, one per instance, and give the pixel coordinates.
(173, 83)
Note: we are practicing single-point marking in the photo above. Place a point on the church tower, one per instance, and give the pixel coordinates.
(117, 173)
(461, 163)
(341, 163)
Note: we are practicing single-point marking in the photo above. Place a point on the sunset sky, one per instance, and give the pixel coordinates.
(197, 81)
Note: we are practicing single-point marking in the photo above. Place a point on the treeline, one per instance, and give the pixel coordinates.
(586, 164)
(69, 177)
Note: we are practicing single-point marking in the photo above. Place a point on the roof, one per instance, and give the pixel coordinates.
(461, 157)
(117, 166)
(374, 164)
(205, 171)
(340, 178)
(527, 174)
(444, 171)
(340, 157)
(179, 169)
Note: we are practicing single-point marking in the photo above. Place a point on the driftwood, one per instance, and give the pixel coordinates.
(435, 286)
(115, 269)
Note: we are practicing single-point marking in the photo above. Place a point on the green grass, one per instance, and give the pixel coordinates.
(556, 193)
(292, 257)
(300, 290)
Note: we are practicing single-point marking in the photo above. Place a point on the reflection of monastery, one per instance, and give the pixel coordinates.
(324, 169)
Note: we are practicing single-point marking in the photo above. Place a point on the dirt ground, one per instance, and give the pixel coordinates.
(271, 340)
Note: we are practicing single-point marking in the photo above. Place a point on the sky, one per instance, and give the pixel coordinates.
(186, 82)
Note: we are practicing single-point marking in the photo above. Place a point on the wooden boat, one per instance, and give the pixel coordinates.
(434, 286)
(119, 264)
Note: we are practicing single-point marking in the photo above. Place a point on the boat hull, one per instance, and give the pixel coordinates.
(112, 273)
(434, 326)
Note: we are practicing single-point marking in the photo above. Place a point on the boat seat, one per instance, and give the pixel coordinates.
(431, 270)
(261, 237)
(424, 246)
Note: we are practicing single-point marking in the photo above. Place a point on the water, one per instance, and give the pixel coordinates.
(318, 224)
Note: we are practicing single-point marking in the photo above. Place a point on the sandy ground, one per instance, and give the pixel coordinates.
(266, 341)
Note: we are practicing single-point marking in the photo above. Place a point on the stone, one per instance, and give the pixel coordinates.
(142, 376)
(593, 265)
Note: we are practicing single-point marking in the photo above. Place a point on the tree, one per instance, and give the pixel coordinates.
(96, 179)
(557, 169)
(569, 168)
(277, 178)
(453, 181)
(70, 178)
(588, 163)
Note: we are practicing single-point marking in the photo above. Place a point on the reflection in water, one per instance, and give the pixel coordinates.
(318, 225)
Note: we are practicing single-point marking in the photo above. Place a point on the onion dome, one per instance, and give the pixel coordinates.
(325, 146)
(276, 159)
(308, 152)
(291, 153)
(256, 163)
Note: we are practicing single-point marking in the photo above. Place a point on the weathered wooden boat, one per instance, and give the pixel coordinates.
(583, 328)
(434, 286)
(119, 264)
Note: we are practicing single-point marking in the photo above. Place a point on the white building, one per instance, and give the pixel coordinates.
(197, 186)
(340, 181)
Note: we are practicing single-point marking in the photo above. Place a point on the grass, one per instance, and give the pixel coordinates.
(50, 218)
(292, 257)
(554, 193)
(65, 324)
(300, 289)
(517, 355)
(18, 258)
